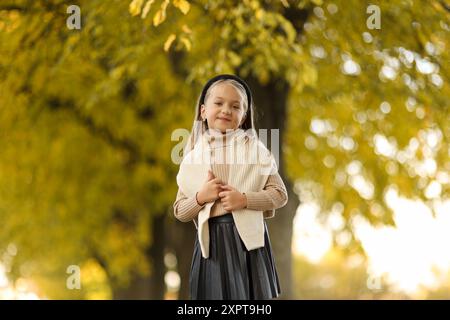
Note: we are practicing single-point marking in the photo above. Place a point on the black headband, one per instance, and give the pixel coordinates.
(224, 77)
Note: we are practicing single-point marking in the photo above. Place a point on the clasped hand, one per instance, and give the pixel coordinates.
(214, 189)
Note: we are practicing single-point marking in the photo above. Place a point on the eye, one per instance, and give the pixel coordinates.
(219, 103)
(236, 107)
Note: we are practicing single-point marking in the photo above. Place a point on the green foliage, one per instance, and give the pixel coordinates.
(83, 167)
(86, 115)
(338, 119)
(336, 276)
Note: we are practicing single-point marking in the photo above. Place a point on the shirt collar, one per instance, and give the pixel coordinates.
(217, 139)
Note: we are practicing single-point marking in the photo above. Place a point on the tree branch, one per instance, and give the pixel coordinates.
(134, 152)
(12, 7)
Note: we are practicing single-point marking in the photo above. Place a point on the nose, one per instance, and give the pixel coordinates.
(227, 110)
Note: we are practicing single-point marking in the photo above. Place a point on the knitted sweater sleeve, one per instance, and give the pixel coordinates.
(186, 208)
(273, 195)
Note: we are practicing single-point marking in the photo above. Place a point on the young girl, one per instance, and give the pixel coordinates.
(229, 194)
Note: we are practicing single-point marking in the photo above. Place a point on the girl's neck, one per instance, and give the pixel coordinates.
(217, 138)
(219, 133)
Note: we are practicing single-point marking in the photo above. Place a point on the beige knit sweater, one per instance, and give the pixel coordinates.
(273, 196)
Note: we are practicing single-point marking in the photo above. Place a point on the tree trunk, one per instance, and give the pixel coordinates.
(151, 287)
(271, 113)
(181, 240)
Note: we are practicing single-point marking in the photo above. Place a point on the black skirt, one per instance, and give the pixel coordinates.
(231, 272)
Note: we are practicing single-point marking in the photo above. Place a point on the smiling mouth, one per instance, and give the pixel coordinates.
(224, 119)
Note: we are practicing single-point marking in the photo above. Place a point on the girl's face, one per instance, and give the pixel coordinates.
(223, 110)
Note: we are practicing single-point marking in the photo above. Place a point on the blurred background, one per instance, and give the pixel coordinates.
(91, 91)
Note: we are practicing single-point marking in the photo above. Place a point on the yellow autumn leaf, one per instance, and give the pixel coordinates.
(183, 5)
(259, 14)
(289, 29)
(169, 42)
(186, 43)
(159, 17)
(254, 4)
(309, 74)
(285, 3)
(186, 29)
(135, 7)
(164, 5)
(235, 59)
(147, 7)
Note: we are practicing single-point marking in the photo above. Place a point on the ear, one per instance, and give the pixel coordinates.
(203, 111)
